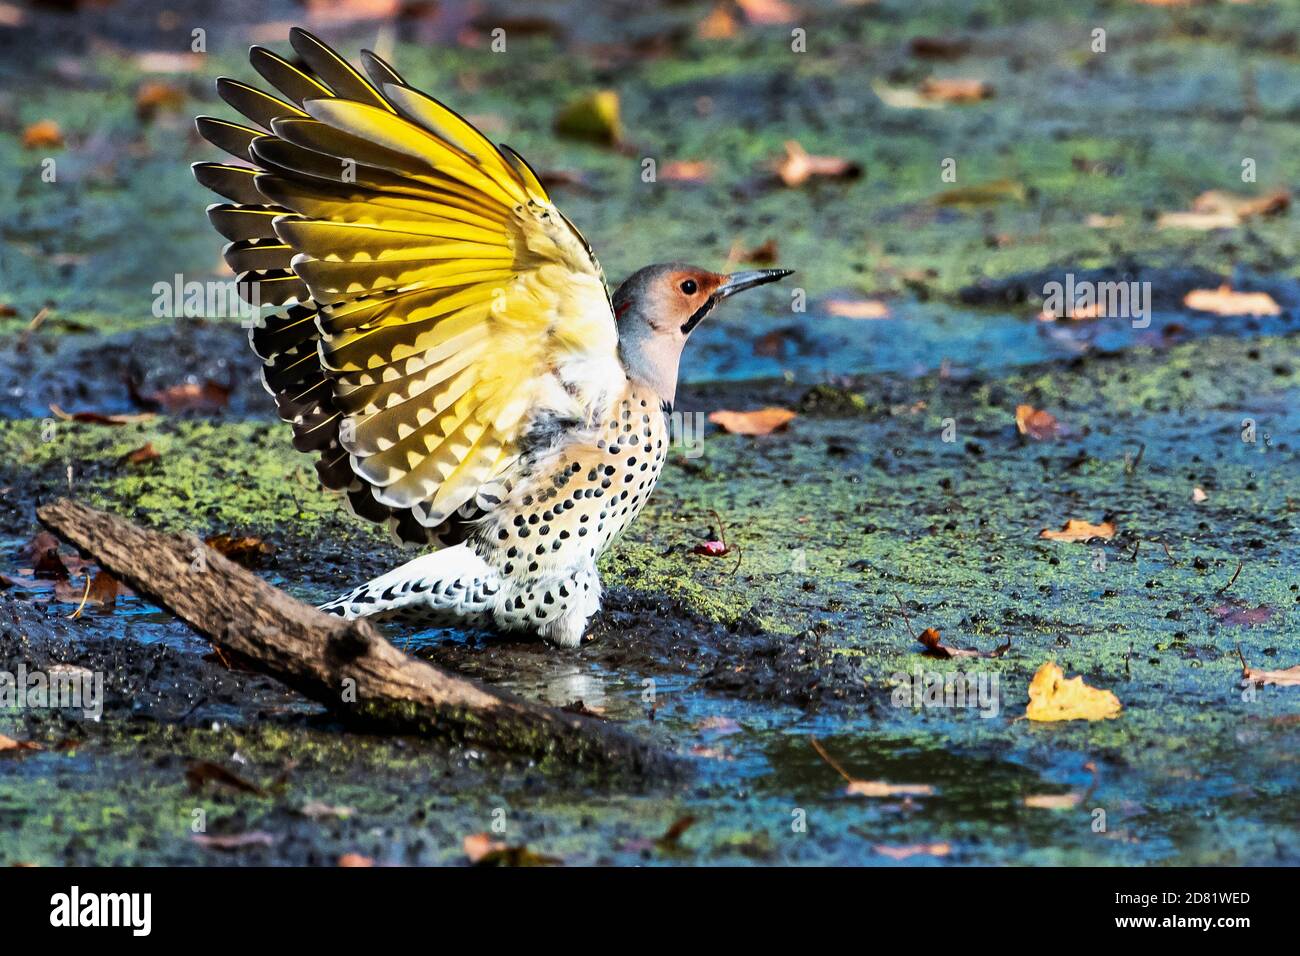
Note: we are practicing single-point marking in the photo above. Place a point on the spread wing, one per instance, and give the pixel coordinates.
(442, 307)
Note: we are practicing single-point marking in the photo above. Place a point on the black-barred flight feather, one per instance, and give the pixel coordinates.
(447, 348)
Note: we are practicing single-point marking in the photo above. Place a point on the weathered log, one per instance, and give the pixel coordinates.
(346, 665)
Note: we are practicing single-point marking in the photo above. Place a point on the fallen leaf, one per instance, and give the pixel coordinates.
(1197, 221)
(43, 134)
(878, 788)
(96, 418)
(718, 725)
(939, 48)
(1226, 301)
(857, 308)
(719, 24)
(483, 850)
(1054, 801)
(1098, 221)
(764, 421)
(1216, 201)
(1038, 424)
(1284, 678)
(355, 860)
(9, 745)
(205, 771)
(144, 453)
(955, 90)
(42, 552)
(234, 841)
(981, 194)
(711, 549)
(1076, 530)
(594, 117)
(316, 810)
(209, 396)
(1199, 496)
(104, 590)
(934, 646)
(798, 166)
(167, 61)
(1238, 615)
(248, 551)
(767, 12)
(762, 255)
(918, 849)
(1052, 697)
(687, 171)
(154, 97)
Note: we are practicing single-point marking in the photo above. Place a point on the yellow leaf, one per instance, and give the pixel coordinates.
(1076, 530)
(1227, 301)
(593, 117)
(1052, 697)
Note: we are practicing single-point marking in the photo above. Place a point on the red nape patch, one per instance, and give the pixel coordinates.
(618, 313)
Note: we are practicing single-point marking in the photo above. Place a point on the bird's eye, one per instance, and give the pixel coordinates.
(689, 287)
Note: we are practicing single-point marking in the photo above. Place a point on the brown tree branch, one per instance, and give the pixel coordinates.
(345, 665)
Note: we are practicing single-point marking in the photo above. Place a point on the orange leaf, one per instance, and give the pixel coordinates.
(1036, 423)
(1225, 301)
(903, 852)
(355, 860)
(1053, 698)
(1076, 530)
(687, 171)
(44, 134)
(955, 90)
(767, 12)
(761, 422)
(858, 308)
(718, 25)
(798, 166)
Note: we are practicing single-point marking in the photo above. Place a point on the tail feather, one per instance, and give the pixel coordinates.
(443, 586)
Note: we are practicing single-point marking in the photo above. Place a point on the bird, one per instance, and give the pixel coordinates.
(444, 340)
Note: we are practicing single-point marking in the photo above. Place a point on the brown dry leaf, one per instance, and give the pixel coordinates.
(917, 849)
(594, 117)
(798, 166)
(934, 646)
(764, 421)
(719, 24)
(248, 550)
(1216, 201)
(144, 453)
(97, 418)
(1052, 697)
(205, 771)
(768, 12)
(1226, 301)
(955, 90)
(9, 745)
(43, 134)
(1037, 423)
(188, 396)
(939, 48)
(354, 860)
(104, 590)
(234, 841)
(695, 171)
(761, 255)
(1076, 530)
(483, 850)
(154, 97)
(42, 553)
(857, 308)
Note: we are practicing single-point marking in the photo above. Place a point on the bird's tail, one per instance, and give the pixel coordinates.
(444, 585)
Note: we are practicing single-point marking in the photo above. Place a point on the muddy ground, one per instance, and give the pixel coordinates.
(902, 497)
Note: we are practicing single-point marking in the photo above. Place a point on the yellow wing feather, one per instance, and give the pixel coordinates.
(452, 306)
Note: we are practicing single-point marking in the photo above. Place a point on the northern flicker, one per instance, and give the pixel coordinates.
(448, 346)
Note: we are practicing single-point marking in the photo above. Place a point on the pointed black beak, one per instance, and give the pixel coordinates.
(740, 281)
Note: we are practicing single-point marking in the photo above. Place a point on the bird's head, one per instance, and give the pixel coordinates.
(659, 307)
